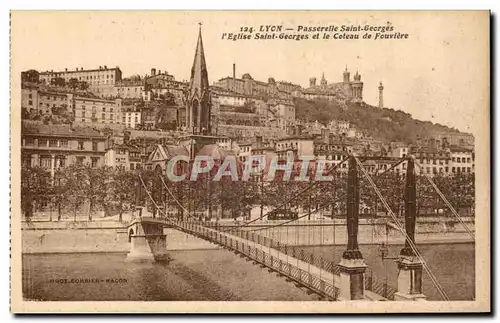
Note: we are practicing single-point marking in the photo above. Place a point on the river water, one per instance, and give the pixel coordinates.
(217, 275)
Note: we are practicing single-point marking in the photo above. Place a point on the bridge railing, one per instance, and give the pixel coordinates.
(372, 282)
(294, 273)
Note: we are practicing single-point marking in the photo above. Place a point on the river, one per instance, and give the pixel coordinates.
(216, 275)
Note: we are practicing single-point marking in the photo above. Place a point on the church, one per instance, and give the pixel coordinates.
(198, 106)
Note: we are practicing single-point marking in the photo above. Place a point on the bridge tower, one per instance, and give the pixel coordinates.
(410, 266)
(352, 265)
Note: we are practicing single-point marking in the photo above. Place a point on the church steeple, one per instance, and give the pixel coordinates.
(198, 96)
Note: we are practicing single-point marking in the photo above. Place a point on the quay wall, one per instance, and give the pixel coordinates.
(112, 236)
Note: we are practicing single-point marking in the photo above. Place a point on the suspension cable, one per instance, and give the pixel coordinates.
(400, 227)
(297, 194)
(445, 200)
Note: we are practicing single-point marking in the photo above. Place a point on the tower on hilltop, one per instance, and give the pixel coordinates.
(198, 94)
(381, 95)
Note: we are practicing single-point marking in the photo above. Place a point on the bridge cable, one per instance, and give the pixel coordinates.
(297, 194)
(445, 200)
(400, 227)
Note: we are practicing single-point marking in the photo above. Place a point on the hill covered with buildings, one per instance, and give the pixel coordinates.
(383, 124)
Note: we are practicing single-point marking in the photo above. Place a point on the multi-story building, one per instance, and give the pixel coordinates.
(45, 102)
(433, 159)
(129, 89)
(248, 86)
(284, 112)
(101, 81)
(91, 110)
(57, 146)
(295, 146)
(462, 159)
(131, 118)
(125, 157)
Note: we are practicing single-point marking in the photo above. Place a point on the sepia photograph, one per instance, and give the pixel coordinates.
(250, 161)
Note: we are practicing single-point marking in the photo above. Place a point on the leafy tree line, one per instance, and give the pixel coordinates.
(116, 190)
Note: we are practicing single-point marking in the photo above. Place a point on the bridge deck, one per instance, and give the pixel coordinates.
(319, 280)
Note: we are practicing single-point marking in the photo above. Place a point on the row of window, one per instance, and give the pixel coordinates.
(463, 159)
(61, 143)
(434, 161)
(94, 109)
(103, 116)
(45, 161)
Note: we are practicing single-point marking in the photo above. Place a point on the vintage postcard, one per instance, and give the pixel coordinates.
(250, 161)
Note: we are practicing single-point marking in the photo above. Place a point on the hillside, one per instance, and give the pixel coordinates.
(383, 124)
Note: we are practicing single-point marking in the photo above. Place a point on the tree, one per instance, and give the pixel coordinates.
(83, 85)
(58, 81)
(73, 83)
(121, 191)
(73, 193)
(34, 183)
(94, 186)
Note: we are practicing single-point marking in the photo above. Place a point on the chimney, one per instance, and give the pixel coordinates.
(66, 69)
(159, 72)
(105, 67)
(76, 69)
(153, 71)
(100, 67)
(234, 76)
(325, 135)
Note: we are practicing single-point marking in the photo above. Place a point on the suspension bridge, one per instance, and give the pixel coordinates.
(349, 279)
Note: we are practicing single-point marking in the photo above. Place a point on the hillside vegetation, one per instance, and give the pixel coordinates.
(384, 124)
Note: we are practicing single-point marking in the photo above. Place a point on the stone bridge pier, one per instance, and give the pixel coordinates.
(148, 242)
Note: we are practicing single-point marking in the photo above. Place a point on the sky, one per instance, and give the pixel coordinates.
(440, 73)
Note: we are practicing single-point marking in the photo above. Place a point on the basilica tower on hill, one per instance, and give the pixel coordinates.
(198, 95)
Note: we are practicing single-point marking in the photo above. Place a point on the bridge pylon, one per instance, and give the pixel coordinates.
(352, 265)
(409, 265)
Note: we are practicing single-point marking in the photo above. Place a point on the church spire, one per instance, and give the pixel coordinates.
(199, 76)
(198, 96)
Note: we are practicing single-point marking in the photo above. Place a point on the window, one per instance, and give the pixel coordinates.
(53, 143)
(42, 142)
(131, 166)
(83, 107)
(468, 160)
(434, 170)
(111, 116)
(463, 169)
(80, 144)
(26, 160)
(63, 143)
(463, 159)
(110, 109)
(95, 161)
(103, 109)
(83, 120)
(60, 161)
(45, 161)
(453, 169)
(104, 116)
(30, 102)
(29, 141)
(434, 162)
(30, 96)
(94, 145)
(446, 169)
